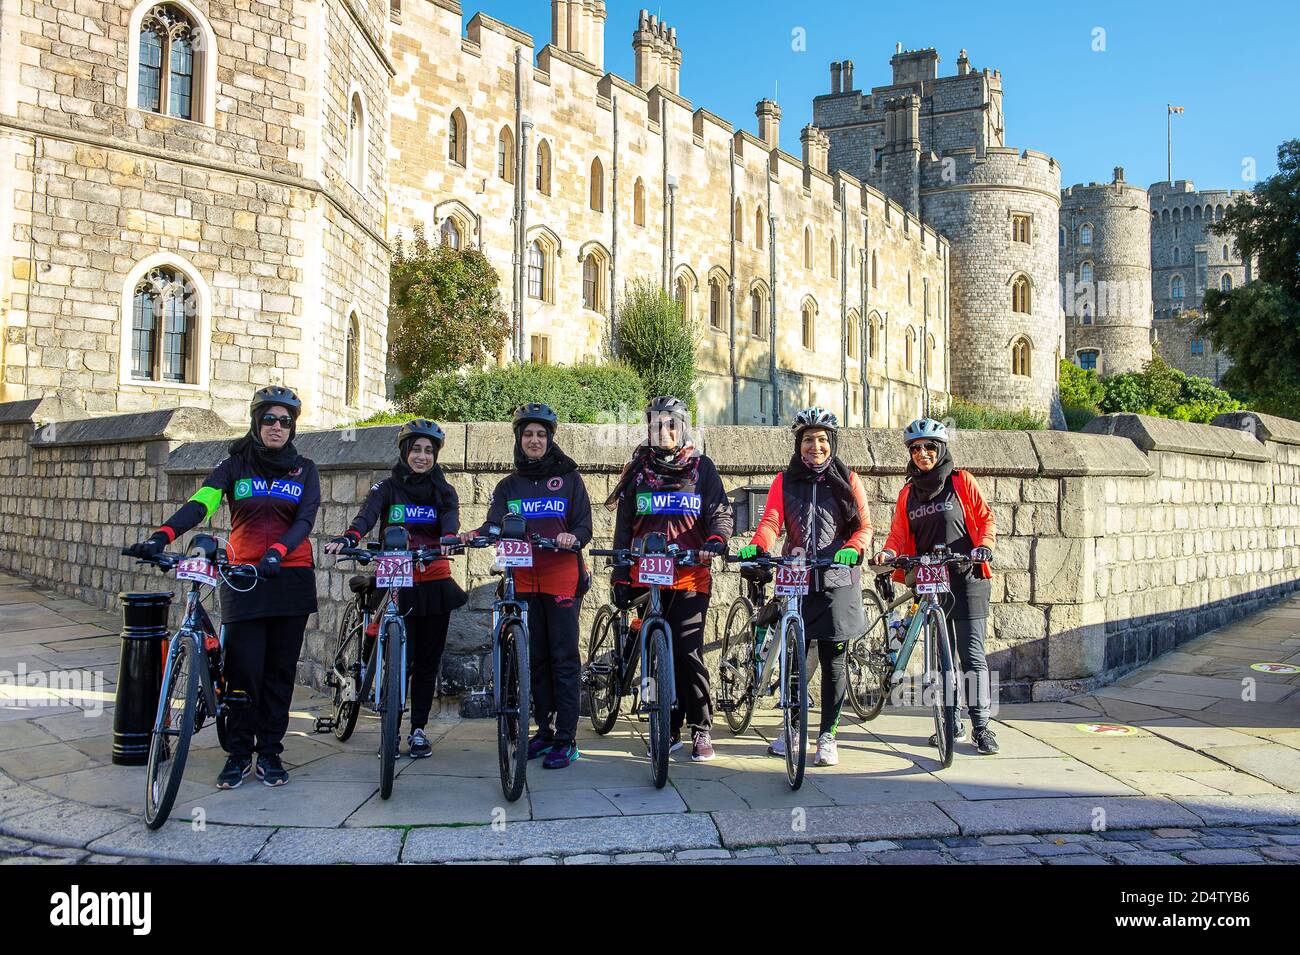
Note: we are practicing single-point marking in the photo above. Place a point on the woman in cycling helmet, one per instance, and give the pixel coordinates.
(548, 492)
(274, 494)
(821, 507)
(418, 497)
(669, 487)
(941, 504)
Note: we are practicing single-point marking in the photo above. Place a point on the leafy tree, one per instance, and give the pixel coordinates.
(445, 310)
(653, 336)
(1258, 324)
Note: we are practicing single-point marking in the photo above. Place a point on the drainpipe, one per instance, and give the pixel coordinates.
(864, 324)
(520, 225)
(613, 240)
(844, 302)
(947, 333)
(731, 287)
(771, 258)
(663, 136)
(672, 232)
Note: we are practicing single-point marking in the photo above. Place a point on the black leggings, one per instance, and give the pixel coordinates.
(554, 665)
(685, 611)
(262, 661)
(832, 618)
(975, 668)
(426, 637)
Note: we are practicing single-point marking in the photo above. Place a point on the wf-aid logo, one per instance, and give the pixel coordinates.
(668, 502)
(536, 507)
(925, 510)
(260, 487)
(412, 514)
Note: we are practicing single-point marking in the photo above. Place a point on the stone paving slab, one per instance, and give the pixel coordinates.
(1119, 753)
(1078, 814)
(571, 804)
(448, 800)
(65, 823)
(523, 839)
(297, 804)
(18, 799)
(179, 842)
(1279, 765)
(998, 778)
(1244, 810)
(644, 800)
(1213, 686)
(332, 846)
(757, 827)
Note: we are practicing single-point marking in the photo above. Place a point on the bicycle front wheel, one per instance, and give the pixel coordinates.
(170, 743)
(514, 693)
(600, 674)
(658, 665)
(867, 660)
(794, 713)
(347, 672)
(736, 676)
(943, 690)
(390, 726)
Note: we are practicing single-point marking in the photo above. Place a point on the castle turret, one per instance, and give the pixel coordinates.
(578, 27)
(900, 159)
(658, 59)
(769, 122)
(1105, 254)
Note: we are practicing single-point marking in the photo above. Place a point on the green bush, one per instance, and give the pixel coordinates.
(652, 336)
(1076, 417)
(378, 418)
(1166, 392)
(967, 415)
(1080, 388)
(579, 393)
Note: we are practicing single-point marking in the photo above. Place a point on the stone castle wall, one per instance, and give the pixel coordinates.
(1111, 314)
(251, 203)
(1111, 547)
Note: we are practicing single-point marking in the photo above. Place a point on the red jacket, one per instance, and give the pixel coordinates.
(979, 521)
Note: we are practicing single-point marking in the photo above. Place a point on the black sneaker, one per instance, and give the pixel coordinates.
(420, 746)
(270, 770)
(986, 742)
(961, 735)
(233, 773)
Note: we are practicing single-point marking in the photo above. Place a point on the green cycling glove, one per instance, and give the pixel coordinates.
(749, 552)
(848, 556)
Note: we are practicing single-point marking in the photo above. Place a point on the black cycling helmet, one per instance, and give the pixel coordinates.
(537, 413)
(422, 428)
(276, 395)
(666, 404)
(815, 417)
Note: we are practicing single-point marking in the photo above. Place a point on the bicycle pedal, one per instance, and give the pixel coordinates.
(726, 705)
(237, 700)
(324, 724)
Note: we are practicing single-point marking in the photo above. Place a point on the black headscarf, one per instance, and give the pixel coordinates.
(431, 487)
(834, 472)
(551, 464)
(929, 483)
(266, 461)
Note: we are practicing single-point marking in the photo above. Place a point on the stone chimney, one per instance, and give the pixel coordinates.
(835, 78)
(963, 63)
(816, 147)
(769, 122)
(578, 27)
(658, 59)
(1119, 174)
(848, 76)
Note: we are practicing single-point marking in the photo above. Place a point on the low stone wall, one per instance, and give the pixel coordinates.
(1113, 546)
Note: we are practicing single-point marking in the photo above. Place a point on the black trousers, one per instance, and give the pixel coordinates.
(554, 665)
(975, 668)
(685, 611)
(262, 660)
(832, 618)
(426, 638)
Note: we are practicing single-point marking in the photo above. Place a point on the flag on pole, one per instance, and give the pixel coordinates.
(1175, 109)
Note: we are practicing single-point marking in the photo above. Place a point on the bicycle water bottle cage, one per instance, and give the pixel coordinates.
(204, 545)
(654, 543)
(514, 527)
(396, 538)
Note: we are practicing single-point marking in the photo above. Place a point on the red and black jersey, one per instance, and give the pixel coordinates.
(390, 503)
(687, 517)
(553, 505)
(265, 513)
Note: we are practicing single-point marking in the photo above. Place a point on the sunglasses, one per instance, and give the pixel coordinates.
(285, 421)
(924, 446)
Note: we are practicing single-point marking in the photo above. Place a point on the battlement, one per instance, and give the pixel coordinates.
(1117, 191)
(995, 166)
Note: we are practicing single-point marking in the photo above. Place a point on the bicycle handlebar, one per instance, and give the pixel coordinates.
(906, 562)
(165, 562)
(626, 557)
(456, 545)
(789, 560)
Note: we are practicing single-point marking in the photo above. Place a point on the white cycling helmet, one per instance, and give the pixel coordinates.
(925, 428)
(815, 417)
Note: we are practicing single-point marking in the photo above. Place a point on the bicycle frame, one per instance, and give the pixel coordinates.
(505, 611)
(194, 626)
(389, 614)
(928, 604)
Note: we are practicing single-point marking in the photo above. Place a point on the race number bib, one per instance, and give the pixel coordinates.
(197, 568)
(655, 570)
(932, 579)
(792, 581)
(514, 553)
(394, 571)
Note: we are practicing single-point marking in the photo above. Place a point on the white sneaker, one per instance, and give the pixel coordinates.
(827, 752)
(777, 746)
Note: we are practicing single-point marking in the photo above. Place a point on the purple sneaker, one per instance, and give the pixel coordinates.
(561, 756)
(538, 746)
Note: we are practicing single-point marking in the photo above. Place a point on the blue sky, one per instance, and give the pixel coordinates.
(1231, 67)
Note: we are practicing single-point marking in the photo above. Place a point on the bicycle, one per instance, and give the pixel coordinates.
(746, 666)
(870, 657)
(616, 647)
(940, 682)
(511, 686)
(361, 663)
(191, 691)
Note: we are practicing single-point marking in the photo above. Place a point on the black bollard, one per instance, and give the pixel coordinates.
(139, 676)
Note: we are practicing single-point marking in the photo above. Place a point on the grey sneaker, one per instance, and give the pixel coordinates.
(419, 746)
(986, 742)
(827, 752)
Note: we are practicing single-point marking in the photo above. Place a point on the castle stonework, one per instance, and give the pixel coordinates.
(1187, 259)
(1105, 256)
(936, 145)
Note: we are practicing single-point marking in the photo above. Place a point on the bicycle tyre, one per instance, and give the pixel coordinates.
(867, 660)
(736, 676)
(604, 695)
(944, 701)
(390, 724)
(660, 668)
(347, 659)
(794, 716)
(513, 716)
(166, 764)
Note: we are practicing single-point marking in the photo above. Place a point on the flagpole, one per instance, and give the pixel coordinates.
(1169, 121)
